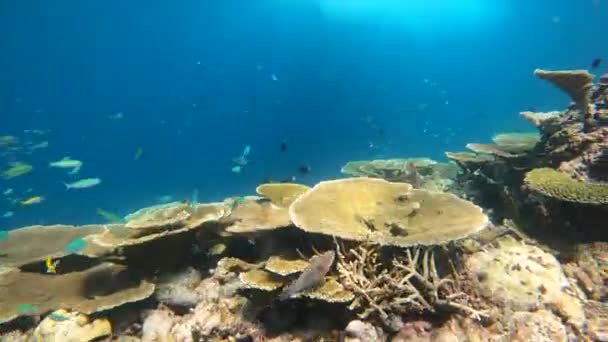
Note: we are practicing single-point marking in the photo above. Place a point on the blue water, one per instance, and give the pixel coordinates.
(194, 79)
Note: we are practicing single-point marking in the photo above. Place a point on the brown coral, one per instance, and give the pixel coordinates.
(99, 288)
(35, 243)
(577, 84)
(374, 210)
(256, 214)
(403, 282)
(281, 194)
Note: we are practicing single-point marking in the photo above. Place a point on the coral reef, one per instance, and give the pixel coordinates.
(62, 325)
(521, 277)
(367, 209)
(281, 194)
(405, 251)
(386, 287)
(555, 184)
(99, 288)
(577, 84)
(419, 172)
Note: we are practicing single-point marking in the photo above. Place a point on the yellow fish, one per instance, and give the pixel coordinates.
(51, 266)
(32, 200)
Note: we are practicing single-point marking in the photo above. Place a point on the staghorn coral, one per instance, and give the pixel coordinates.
(281, 194)
(374, 210)
(70, 326)
(402, 283)
(558, 185)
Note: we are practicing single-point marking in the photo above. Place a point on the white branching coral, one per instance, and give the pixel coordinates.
(406, 281)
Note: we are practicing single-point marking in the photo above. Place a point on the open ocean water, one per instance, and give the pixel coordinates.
(156, 98)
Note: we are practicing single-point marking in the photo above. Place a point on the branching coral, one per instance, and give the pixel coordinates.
(403, 283)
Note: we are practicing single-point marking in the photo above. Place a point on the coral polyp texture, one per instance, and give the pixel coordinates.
(374, 210)
(559, 185)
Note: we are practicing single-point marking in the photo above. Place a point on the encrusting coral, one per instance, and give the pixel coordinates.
(71, 326)
(518, 276)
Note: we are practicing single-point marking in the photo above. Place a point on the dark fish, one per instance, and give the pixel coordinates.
(304, 169)
(312, 276)
(596, 63)
(283, 146)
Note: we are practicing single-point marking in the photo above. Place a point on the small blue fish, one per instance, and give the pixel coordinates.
(193, 199)
(237, 169)
(75, 246)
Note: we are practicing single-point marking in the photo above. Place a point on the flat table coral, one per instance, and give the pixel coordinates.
(281, 194)
(256, 214)
(35, 243)
(96, 289)
(374, 210)
(555, 184)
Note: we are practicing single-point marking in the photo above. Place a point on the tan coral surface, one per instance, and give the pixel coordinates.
(369, 209)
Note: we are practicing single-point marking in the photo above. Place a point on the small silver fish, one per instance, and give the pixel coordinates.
(312, 276)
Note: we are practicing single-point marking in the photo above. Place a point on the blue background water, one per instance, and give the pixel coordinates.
(194, 81)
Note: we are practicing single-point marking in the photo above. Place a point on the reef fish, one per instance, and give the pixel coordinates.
(83, 183)
(312, 276)
(67, 163)
(32, 200)
(17, 169)
(110, 216)
(51, 266)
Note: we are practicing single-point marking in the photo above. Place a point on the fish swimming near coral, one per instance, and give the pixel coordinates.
(242, 159)
(32, 200)
(51, 266)
(312, 276)
(109, 216)
(83, 183)
(67, 163)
